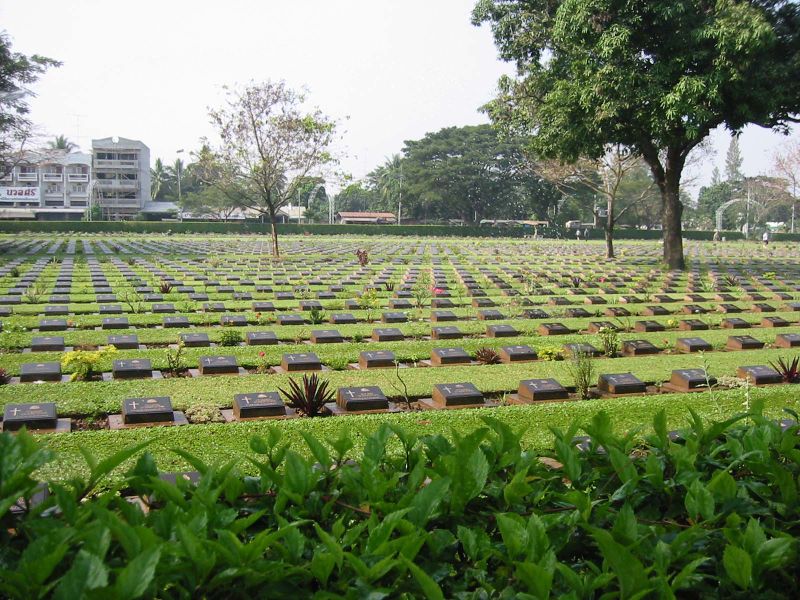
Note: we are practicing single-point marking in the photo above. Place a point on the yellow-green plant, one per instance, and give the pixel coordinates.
(84, 362)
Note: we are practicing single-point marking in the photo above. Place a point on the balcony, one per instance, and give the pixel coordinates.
(8, 176)
(54, 193)
(74, 194)
(116, 164)
(48, 177)
(27, 176)
(118, 184)
(78, 177)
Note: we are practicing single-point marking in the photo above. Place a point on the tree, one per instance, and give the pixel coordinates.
(158, 180)
(654, 76)
(211, 201)
(786, 164)
(462, 172)
(269, 144)
(60, 142)
(17, 72)
(357, 197)
(176, 173)
(733, 161)
(388, 180)
(604, 176)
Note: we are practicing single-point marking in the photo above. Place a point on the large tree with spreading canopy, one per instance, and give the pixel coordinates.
(653, 75)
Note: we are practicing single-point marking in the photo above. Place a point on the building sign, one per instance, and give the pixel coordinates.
(19, 194)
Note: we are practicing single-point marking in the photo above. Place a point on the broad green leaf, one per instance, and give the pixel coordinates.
(514, 534)
(427, 500)
(134, 579)
(322, 564)
(429, 587)
(87, 573)
(699, 501)
(628, 569)
(738, 566)
(318, 449)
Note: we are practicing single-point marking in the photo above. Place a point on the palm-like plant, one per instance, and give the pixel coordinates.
(60, 142)
(308, 399)
(159, 179)
(789, 369)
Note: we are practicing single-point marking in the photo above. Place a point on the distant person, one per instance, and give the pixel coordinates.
(765, 238)
(586, 233)
(716, 235)
(578, 234)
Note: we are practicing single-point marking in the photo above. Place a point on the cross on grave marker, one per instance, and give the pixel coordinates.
(647, 326)
(132, 369)
(449, 356)
(261, 338)
(621, 383)
(532, 390)
(376, 359)
(743, 342)
(257, 405)
(456, 394)
(361, 398)
(690, 379)
(217, 365)
(759, 374)
(301, 362)
(195, 340)
(638, 348)
(517, 353)
(787, 340)
(156, 409)
(388, 334)
(33, 416)
(693, 344)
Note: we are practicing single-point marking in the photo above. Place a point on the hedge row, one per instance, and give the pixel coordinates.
(318, 229)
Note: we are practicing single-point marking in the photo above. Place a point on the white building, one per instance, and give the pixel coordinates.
(47, 185)
(121, 173)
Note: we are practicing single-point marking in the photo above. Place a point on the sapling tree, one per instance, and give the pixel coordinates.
(270, 144)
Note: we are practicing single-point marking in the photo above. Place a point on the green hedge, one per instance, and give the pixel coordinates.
(713, 513)
(318, 229)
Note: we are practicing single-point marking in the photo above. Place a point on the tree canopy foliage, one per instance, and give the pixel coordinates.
(655, 76)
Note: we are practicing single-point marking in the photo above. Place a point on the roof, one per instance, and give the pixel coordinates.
(366, 215)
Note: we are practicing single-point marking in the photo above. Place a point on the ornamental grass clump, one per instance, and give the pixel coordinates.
(309, 397)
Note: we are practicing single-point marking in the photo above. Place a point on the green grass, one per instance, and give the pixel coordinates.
(222, 442)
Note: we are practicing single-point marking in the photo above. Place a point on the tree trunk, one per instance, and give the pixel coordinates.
(668, 180)
(275, 250)
(610, 230)
(672, 209)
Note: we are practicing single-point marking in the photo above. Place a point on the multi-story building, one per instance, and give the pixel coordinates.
(47, 185)
(121, 173)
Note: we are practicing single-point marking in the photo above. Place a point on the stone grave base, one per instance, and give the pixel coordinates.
(110, 377)
(279, 370)
(197, 373)
(336, 411)
(66, 349)
(674, 389)
(649, 389)
(62, 426)
(517, 399)
(229, 417)
(428, 363)
(65, 378)
(431, 404)
(357, 367)
(116, 422)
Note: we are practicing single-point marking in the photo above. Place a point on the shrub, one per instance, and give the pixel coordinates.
(316, 315)
(175, 357)
(471, 516)
(581, 368)
(230, 337)
(5, 377)
(789, 370)
(310, 397)
(487, 356)
(165, 287)
(609, 340)
(550, 353)
(204, 412)
(84, 362)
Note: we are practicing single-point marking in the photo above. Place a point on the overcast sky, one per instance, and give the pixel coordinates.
(390, 70)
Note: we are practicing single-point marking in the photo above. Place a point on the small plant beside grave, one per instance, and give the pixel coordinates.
(229, 337)
(35, 293)
(369, 301)
(609, 340)
(175, 357)
(363, 257)
(581, 368)
(309, 396)
(165, 287)
(487, 356)
(5, 377)
(83, 363)
(316, 315)
(788, 369)
(204, 412)
(550, 353)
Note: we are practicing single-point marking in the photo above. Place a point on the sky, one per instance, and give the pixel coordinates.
(388, 70)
